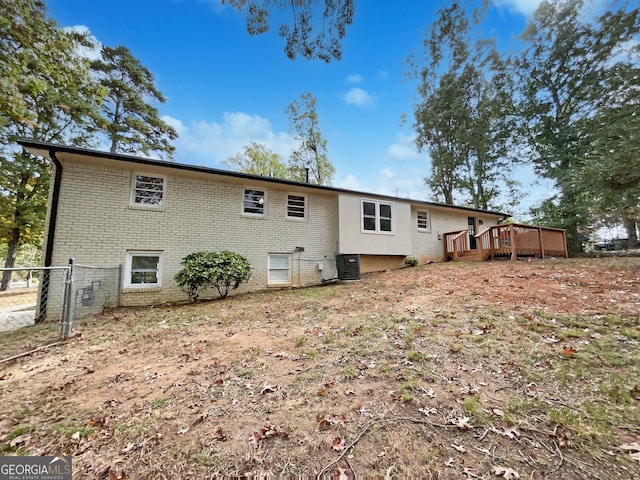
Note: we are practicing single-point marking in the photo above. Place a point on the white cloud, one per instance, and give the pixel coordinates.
(355, 78)
(209, 142)
(524, 7)
(359, 97)
(403, 149)
(407, 183)
(350, 182)
(382, 75)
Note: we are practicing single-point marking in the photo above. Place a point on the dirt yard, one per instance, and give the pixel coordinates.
(515, 370)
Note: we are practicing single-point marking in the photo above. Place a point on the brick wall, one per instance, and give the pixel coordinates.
(97, 226)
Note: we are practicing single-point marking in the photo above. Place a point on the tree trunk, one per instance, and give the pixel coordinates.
(631, 226)
(12, 252)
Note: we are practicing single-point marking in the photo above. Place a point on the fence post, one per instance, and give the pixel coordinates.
(65, 321)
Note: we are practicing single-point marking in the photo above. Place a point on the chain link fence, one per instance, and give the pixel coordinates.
(42, 303)
(94, 290)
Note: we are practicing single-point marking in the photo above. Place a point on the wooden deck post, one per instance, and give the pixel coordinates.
(541, 242)
(512, 240)
(492, 242)
(564, 238)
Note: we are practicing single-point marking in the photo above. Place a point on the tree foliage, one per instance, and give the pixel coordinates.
(314, 31)
(462, 116)
(311, 152)
(257, 159)
(571, 95)
(47, 95)
(223, 270)
(129, 116)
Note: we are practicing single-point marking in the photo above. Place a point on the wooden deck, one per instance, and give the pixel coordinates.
(506, 241)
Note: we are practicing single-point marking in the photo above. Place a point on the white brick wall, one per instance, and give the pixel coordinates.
(96, 226)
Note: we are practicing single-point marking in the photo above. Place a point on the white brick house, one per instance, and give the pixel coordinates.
(146, 215)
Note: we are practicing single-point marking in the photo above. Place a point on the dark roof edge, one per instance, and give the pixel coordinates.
(53, 148)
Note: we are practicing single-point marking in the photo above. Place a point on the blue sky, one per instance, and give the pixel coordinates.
(225, 88)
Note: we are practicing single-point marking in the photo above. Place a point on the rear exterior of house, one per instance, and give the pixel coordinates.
(145, 215)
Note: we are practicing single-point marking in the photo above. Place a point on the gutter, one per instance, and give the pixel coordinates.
(51, 232)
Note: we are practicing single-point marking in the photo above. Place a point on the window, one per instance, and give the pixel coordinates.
(254, 202)
(424, 222)
(143, 269)
(279, 268)
(377, 217)
(147, 190)
(297, 207)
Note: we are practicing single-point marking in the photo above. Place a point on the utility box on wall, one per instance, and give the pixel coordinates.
(348, 266)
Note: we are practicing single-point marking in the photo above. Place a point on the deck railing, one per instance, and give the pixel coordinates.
(455, 243)
(511, 240)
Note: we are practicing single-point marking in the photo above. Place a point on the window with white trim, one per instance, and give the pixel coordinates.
(377, 216)
(279, 268)
(254, 202)
(296, 207)
(147, 190)
(424, 222)
(143, 269)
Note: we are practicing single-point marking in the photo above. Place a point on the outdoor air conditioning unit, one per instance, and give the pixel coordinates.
(348, 266)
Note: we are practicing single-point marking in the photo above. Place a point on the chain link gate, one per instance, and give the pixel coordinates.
(48, 300)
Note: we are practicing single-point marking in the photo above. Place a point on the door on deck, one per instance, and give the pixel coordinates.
(471, 221)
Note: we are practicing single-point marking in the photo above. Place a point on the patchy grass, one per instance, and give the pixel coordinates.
(440, 371)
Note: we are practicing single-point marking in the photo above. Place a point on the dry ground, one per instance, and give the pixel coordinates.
(497, 370)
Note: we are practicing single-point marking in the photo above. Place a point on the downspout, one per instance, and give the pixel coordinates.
(48, 254)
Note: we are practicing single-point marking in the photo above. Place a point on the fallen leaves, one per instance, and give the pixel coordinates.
(511, 432)
(508, 473)
(568, 351)
(338, 444)
(325, 422)
(463, 423)
(268, 431)
(634, 450)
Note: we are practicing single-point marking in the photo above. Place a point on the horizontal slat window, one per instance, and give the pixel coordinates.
(297, 207)
(424, 222)
(253, 203)
(147, 190)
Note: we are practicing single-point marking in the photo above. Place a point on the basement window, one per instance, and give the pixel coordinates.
(143, 269)
(279, 269)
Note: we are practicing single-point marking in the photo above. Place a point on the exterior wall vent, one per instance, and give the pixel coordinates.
(348, 266)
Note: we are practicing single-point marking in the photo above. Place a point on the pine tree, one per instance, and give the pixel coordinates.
(129, 116)
(47, 95)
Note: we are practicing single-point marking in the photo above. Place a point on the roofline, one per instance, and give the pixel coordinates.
(37, 147)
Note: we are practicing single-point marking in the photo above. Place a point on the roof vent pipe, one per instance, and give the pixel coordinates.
(306, 175)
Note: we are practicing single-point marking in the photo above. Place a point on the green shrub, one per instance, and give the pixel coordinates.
(411, 262)
(223, 270)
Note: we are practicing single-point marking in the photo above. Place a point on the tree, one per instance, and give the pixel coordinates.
(315, 30)
(462, 118)
(130, 119)
(259, 160)
(47, 95)
(566, 84)
(611, 168)
(312, 147)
